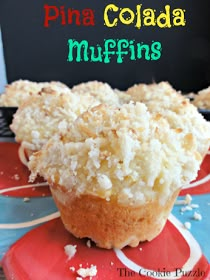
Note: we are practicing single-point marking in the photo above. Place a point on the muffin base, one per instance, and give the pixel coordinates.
(109, 224)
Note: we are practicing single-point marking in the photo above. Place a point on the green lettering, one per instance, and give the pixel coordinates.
(93, 57)
(110, 43)
(143, 47)
(156, 49)
(79, 48)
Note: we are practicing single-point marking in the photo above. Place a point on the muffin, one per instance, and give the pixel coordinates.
(46, 114)
(202, 99)
(116, 173)
(162, 98)
(155, 91)
(102, 92)
(18, 91)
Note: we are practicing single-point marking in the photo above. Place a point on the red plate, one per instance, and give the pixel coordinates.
(40, 255)
(14, 174)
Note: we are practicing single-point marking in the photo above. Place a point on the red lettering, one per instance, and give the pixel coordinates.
(88, 17)
(63, 17)
(68, 16)
(72, 12)
(48, 17)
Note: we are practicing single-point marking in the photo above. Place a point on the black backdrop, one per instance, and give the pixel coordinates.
(38, 53)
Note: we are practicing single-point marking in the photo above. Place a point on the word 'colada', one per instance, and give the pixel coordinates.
(143, 17)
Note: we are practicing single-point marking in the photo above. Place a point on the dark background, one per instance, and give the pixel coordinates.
(37, 53)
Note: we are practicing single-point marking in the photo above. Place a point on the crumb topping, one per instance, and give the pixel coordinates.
(19, 91)
(89, 271)
(125, 153)
(70, 250)
(187, 225)
(101, 91)
(202, 99)
(172, 105)
(197, 216)
(45, 115)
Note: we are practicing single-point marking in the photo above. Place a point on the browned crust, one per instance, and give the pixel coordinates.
(28, 153)
(109, 224)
